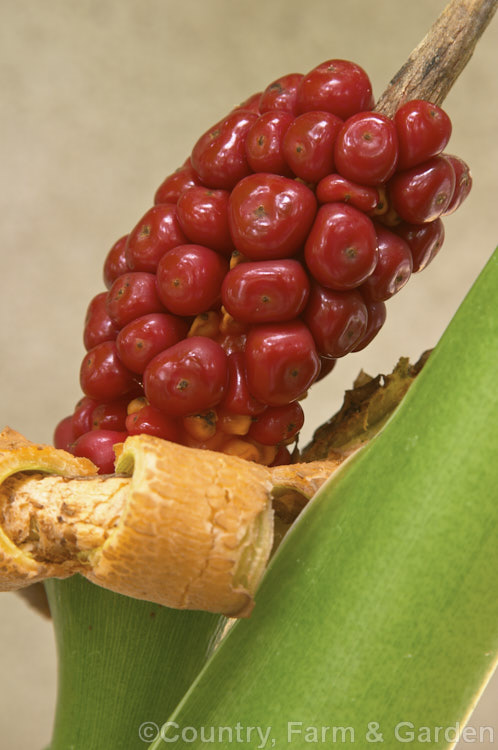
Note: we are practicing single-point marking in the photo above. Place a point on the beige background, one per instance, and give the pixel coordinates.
(100, 100)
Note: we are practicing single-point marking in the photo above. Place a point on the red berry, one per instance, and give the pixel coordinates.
(157, 232)
(308, 145)
(423, 131)
(393, 269)
(336, 86)
(281, 94)
(341, 249)
(366, 148)
(143, 338)
(82, 417)
(132, 295)
(175, 184)
(337, 320)
(270, 216)
(237, 398)
(110, 415)
(103, 376)
(264, 143)
(203, 216)
(282, 458)
(151, 421)
(115, 263)
(98, 446)
(326, 366)
(278, 424)
(187, 378)
(376, 319)
(423, 193)
(219, 156)
(250, 104)
(98, 325)
(265, 291)
(189, 279)
(281, 362)
(64, 435)
(336, 188)
(424, 240)
(463, 183)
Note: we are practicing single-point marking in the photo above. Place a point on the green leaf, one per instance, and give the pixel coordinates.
(379, 611)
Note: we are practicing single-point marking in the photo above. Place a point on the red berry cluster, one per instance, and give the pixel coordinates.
(268, 255)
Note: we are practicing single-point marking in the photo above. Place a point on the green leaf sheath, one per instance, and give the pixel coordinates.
(122, 662)
(379, 612)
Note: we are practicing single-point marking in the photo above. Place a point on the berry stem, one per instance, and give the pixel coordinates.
(435, 64)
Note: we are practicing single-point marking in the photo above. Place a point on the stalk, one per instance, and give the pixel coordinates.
(125, 662)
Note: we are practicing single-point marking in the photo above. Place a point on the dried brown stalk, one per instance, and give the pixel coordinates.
(435, 64)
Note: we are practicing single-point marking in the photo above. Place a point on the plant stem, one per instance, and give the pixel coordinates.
(122, 662)
(435, 64)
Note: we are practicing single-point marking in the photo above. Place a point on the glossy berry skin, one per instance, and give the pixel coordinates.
(335, 188)
(110, 415)
(203, 217)
(376, 318)
(281, 362)
(423, 193)
(393, 269)
(187, 378)
(157, 232)
(266, 291)
(278, 424)
(308, 145)
(270, 216)
(63, 434)
(237, 398)
(145, 337)
(115, 263)
(132, 295)
(189, 279)
(103, 376)
(341, 249)
(337, 320)
(151, 421)
(337, 86)
(463, 183)
(175, 184)
(98, 446)
(423, 131)
(264, 143)
(424, 241)
(219, 156)
(281, 94)
(98, 324)
(366, 148)
(82, 416)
